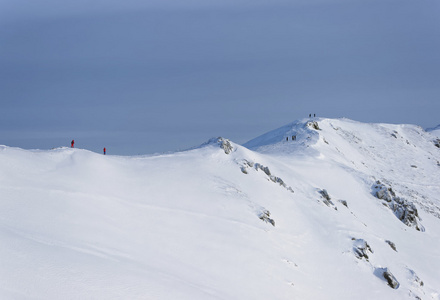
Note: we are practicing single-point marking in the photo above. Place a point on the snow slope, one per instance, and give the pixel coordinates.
(435, 131)
(222, 221)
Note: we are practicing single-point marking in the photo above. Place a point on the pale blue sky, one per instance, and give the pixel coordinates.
(166, 75)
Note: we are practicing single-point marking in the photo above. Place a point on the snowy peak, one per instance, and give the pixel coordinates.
(403, 156)
(435, 131)
(302, 132)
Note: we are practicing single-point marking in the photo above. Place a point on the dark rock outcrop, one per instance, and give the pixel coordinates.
(326, 197)
(392, 245)
(361, 248)
(391, 280)
(265, 216)
(344, 202)
(385, 274)
(313, 125)
(247, 164)
(403, 209)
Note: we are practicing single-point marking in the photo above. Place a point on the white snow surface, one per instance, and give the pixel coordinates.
(196, 224)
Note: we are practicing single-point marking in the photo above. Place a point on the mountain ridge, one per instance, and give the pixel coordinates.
(352, 211)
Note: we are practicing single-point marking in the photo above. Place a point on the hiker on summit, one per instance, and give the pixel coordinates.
(104, 150)
(72, 144)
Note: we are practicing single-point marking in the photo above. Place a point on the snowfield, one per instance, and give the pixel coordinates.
(346, 210)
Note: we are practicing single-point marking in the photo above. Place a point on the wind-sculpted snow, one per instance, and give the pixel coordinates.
(221, 221)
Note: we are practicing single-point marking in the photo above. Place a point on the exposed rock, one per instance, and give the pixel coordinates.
(313, 125)
(324, 194)
(391, 280)
(392, 245)
(266, 170)
(249, 163)
(386, 275)
(263, 168)
(361, 248)
(326, 197)
(403, 209)
(416, 279)
(344, 203)
(382, 192)
(437, 143)
(225, 144)
(265, 217)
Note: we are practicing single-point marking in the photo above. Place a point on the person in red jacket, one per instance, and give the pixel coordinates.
(104, 150)
(72, 143)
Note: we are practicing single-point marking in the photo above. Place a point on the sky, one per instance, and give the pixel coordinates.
(142, 77)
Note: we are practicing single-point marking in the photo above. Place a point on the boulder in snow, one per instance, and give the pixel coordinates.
(265, 216)
(386, 275)
(361, 248)
(392, 245)
(326, 197)
(344, 202)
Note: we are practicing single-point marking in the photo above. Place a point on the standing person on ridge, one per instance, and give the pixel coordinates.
(104, 150)
(72, 143)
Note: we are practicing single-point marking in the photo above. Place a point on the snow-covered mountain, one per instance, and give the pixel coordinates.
(435, 131)
(317, 209)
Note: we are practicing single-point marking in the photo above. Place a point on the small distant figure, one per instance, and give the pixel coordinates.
(314, 115)
(293, 137)
(310, 115)
(104, 150)
(287, 138)
(72, 143)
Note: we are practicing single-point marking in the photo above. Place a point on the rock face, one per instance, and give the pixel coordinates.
(437, 143)
(403, 209)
